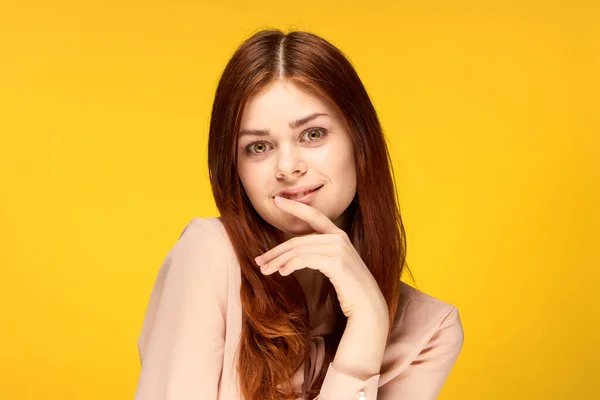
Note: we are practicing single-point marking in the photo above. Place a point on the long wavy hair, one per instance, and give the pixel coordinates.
(275, 323)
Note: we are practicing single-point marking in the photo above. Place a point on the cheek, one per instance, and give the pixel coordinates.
(340, 162)
(244, 175)
(347, 175)
(253, 179)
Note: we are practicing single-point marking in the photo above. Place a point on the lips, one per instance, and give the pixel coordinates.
(307, 197)
(299, 195)
(290, 192)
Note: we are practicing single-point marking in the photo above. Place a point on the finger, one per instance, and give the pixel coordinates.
(278, 262)
(315, 218)
(281, 248)
(318, 262)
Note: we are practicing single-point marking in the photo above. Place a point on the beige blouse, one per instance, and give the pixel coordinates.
(193, 323)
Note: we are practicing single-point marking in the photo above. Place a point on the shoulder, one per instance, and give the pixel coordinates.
(204, 239)
(422, 314)
(425, 328)
(419, 309)
(192, 283)
(201, 257)
(207, 231)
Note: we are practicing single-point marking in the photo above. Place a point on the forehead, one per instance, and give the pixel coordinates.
(282, 102)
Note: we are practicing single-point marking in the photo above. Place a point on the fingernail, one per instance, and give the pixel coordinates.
(278, 199)
(258, 260)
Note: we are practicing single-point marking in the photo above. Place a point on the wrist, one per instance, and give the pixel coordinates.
(362, 346)
(369, 321)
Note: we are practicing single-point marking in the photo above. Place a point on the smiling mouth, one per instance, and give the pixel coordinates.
(300, 195)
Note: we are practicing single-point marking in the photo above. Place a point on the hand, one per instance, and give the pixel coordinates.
(330, 251)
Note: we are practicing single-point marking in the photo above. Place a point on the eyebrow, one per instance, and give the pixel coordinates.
(293, 125)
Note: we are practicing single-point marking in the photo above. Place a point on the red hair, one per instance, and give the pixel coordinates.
(275, 331)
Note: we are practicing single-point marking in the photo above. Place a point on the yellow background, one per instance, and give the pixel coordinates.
(491, 109)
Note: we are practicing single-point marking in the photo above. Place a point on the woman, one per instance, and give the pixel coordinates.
(322, 312)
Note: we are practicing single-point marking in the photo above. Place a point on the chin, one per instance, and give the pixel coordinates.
(295, 226)
(291, 225)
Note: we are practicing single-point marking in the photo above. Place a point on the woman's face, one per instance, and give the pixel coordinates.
(290, 138)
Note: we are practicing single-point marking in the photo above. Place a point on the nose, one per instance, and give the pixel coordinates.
(290, 163)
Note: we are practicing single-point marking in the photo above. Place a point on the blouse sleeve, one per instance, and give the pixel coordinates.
(424, 377)
(182, 338)
(340, 386)
(422, 380)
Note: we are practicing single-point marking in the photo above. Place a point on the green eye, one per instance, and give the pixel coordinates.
(258, 146)
(315, 134)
